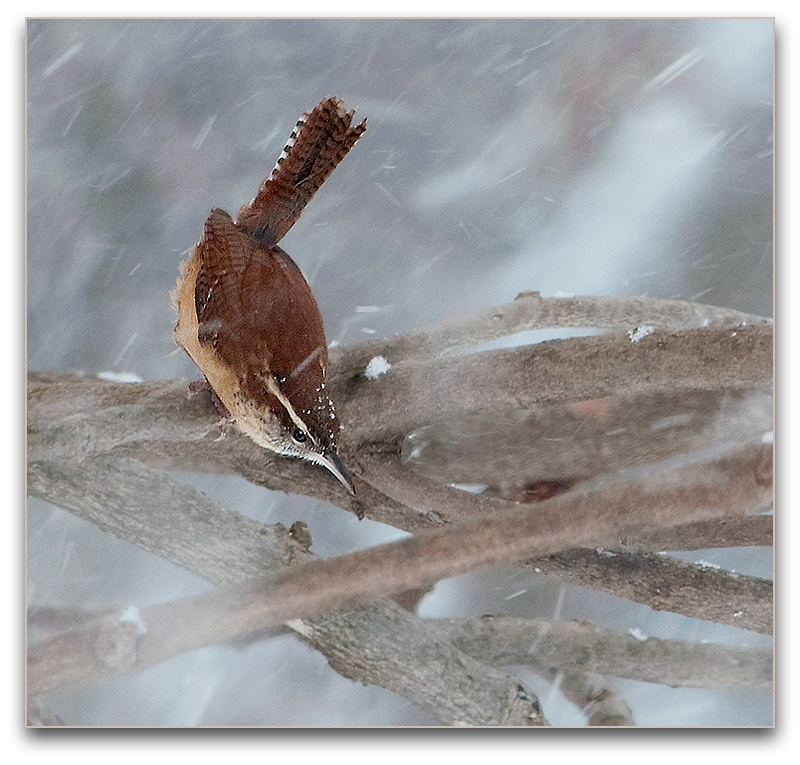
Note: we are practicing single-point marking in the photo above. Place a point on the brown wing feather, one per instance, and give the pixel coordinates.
(224, 255)
(319, 142)
(256, 310)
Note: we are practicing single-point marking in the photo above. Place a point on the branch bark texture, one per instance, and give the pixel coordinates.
(665, 440)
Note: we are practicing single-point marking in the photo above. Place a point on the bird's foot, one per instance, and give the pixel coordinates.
(224, 424)
(225, 420)
(198, 386)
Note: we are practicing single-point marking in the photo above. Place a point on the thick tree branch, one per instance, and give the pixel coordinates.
(420, 393)
(72, 418)
(530, 311)
(546, 646)
(582, 439)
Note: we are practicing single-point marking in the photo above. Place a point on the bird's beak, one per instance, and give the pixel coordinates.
(331, 461)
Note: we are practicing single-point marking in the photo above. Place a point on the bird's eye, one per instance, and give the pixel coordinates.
(299, 436)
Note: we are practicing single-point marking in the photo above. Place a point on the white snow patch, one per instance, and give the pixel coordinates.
(377, 366)
(640, 333)
(300, 627)
(606, 553)
(638, 634)
(472, 488)
(706, 564)
(133, 615)
(122, 377)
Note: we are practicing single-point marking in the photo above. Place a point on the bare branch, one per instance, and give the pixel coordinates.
(586, 438)
(147, 508)
(750, 483)
(70, 418)
(107, 644)
(745, 531)
(666, 584)
(583, 647)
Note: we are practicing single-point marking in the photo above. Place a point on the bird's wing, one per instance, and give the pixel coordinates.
(256, 311)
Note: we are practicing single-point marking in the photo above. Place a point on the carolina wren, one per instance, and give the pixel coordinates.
(246, 315)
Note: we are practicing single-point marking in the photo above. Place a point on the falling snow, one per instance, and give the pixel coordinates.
(676, 69)
(571, 157)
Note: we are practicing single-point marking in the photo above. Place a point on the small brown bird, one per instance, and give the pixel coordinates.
(246, 315)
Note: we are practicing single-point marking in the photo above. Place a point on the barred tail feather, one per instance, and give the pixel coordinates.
(320, 140)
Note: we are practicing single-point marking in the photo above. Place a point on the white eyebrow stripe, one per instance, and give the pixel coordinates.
(273, 388)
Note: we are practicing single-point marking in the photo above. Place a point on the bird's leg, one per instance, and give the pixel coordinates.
(225, 421)
(198, 386)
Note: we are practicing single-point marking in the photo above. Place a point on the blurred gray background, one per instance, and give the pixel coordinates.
(567, 156)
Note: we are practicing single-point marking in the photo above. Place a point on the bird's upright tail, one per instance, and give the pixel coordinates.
(319, 142)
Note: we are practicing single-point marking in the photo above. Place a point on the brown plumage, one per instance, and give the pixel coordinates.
(246, 315)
